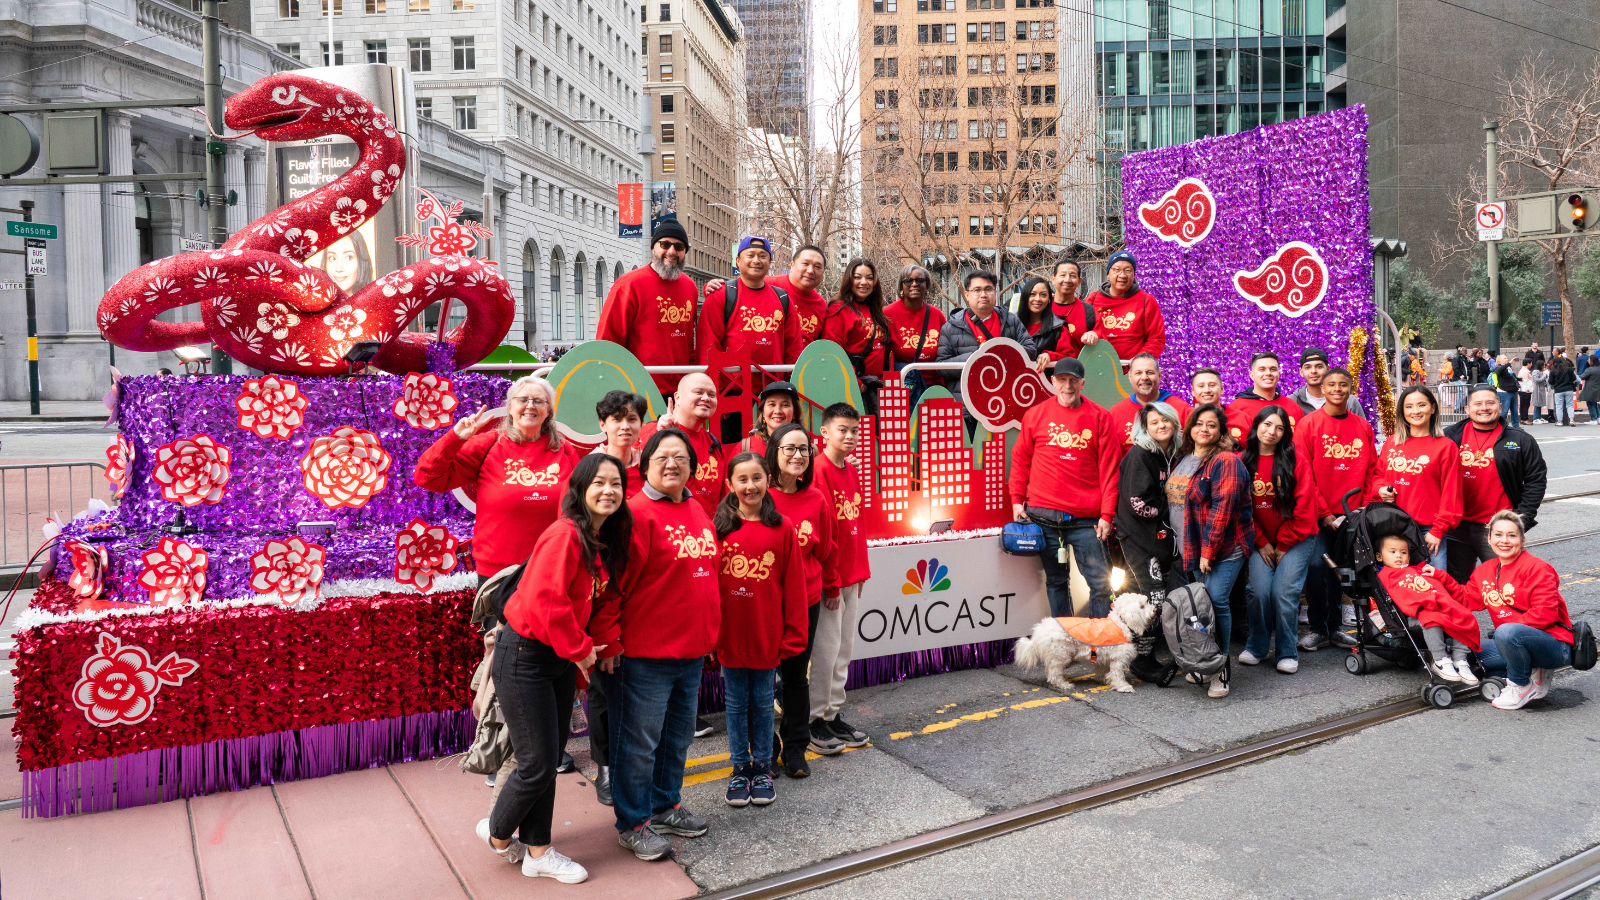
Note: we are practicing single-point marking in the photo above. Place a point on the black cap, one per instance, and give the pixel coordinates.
(1066, 365)
(1310, 353)
(782, 387)
(669, 228)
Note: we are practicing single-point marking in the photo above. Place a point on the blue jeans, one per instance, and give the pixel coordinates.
(1219, 584)
(749, 717)
(1594, 412)
(1508, 402)
(1517, 649)
(1275, 598)
(1564, 411)
(1092, 563)
(652, 710)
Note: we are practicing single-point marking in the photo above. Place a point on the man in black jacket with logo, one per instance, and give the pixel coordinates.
(1501, 468)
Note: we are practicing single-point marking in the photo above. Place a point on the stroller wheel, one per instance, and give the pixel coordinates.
(1354, 664)
(1441, 696)
(1490, 689)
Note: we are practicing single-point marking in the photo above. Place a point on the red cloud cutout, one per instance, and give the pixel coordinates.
(1184, 216)
(1293, 281)
(999, 385)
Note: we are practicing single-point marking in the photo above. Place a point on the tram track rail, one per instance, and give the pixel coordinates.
(1567, 878)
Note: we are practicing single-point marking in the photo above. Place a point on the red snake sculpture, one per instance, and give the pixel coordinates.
(259, 301)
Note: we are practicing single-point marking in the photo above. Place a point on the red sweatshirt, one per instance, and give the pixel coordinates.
(1125, 410)
(519, 489)
(653, 318)
(1066, 459)
(670, 606)
(707, 485)
(1132, 324)
(1341, 456)
(758, 323)
(1075, 321)
(1436, 601)
(764, 611)
(907, 328)
(555, 606)
(813, 518)
(1526, 590)
(808, 308)
(850, 326)
(1482, 494)
(1243, 410)
(1272, 527)
(1426, 475)
(843, 489)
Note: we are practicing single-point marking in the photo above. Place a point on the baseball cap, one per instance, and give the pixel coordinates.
(1066, 365)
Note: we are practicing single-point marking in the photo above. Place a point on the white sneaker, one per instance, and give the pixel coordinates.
(1540, 683)
(1514, 696)
(1305, 616)
(1246, 658)
(1446, 669)
(512, 854)
(1288, 665)
(1464, 669)
(554, 865)
(1218, 688)
(1347, 615)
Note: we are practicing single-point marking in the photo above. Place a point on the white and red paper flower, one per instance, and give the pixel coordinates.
(271, 407)
(118, 685)
(1292, 281)
(192, 470)
(426, 401)
(119, 465)
(1184, 215)
(88, 569)
(290, 570)
(346, 468)
(174, 572)
(999, 385)
(421, 552)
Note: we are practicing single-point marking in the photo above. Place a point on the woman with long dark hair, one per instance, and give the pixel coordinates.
(855, 319)
(541, 650)
(1420, 470)
(1284, 510)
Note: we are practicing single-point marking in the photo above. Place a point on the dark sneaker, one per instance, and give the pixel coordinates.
(702, 727)
(1313, 641)
(761, 790)
(823, 740)
(847, 735)
(602, 786)
(645, 843)
(567, 764)
(738, 789)
(1343, 639)
(678, 820)
(795, 765)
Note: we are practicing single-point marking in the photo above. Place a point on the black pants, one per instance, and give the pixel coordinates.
(796, 697)
(1323, 592)
(599, 728)
(1465, 546)
(535, 688)
(1147, 574)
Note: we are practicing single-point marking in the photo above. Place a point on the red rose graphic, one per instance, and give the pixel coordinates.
(118, 685)
(449, 239)
(192, 470)
(422, 551)
(1293, 281)
(271, 407)
(999, 385)
(426, 401)
(1184, 215)
(119, 465)
(174, 572)
(88, 569)
(290, 570)
(345, 468)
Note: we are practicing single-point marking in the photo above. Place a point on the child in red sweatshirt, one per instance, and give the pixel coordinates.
(834, 640)
(763, 584)
(1435, 601)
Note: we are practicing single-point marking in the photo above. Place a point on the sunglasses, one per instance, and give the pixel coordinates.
(674, 245)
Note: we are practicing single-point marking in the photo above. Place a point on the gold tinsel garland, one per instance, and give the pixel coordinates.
(1380, 371)
(1358, 357)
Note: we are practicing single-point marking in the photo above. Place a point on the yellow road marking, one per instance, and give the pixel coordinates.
(719, 774)
(715, 757)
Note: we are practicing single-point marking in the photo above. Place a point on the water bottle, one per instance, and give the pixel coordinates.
(1061, 554)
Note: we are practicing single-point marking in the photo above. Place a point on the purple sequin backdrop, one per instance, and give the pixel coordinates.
(1304, 180)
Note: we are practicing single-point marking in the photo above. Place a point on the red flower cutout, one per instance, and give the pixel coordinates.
(422, 551)
(118, 685)
(999, 384)
(174, 572)
(119, 465)
(450, 239)
(1293, 281)
(426, 401)
(271, 407)
(88, 569)
(1184, 215)
(290, 570)
(192, 470)
(345, 468)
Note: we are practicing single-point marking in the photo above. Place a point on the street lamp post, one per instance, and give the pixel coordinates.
(647, 149)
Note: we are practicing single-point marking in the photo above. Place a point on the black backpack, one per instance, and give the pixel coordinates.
(1583, 646)
(730, 293)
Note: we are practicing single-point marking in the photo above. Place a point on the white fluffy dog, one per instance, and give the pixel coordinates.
(1053, 647)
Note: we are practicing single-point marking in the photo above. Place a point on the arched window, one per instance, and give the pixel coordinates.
(530, 295)
(556, 300)
(579, 299)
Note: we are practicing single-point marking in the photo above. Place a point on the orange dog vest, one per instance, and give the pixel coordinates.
(1094, 632)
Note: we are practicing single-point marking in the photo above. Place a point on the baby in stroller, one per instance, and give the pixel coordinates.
(1436, 602)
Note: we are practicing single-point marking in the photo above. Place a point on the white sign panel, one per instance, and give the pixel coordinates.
(193, 245)
(36, 257)
(1491, 219)
(12, 285)
(944, 593)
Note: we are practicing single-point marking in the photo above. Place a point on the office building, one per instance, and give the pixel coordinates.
(778, 63)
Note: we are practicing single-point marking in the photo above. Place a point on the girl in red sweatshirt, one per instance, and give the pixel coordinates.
(763, 584)
(1420, 470)
(1532, 629)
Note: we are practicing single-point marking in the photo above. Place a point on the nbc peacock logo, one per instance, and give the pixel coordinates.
(927, 577)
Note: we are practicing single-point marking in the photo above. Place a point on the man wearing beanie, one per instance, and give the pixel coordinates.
(758, 317)
(650, 310)
(1128, 317)
(1314, 368)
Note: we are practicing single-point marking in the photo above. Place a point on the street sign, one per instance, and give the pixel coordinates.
(36, 259)
(193, 245)
(1491, 219)
(31, 230)
(12, 285)
(1550, 313)
(1482, 304)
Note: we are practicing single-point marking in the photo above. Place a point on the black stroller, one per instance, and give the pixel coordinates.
(1354, 556)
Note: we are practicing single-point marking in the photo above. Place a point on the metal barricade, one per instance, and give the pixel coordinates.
(31, 493)
(1452, 401)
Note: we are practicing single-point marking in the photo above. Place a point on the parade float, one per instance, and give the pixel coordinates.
(273, 598)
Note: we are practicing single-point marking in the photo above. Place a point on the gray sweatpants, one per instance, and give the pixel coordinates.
(1440, 644)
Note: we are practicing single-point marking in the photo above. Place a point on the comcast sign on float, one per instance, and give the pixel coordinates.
(926, 609)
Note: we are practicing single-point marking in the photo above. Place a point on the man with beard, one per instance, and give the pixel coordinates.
(1144, 373)
(650, 310)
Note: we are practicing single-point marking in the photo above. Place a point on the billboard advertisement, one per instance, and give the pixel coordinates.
(663, 202)
(630, 210)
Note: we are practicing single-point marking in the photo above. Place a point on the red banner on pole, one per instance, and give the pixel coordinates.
(630, 210)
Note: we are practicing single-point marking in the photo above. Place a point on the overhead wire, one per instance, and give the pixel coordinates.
(1520, 25)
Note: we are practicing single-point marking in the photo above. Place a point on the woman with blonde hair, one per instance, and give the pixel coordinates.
(1532, 628)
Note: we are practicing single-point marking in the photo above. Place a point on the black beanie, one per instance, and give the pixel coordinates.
(669, 228)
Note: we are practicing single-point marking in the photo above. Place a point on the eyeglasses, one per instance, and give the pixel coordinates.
(981, 291)
(539, 402)
(797, 450)
(915, 280)
(678, 460)
(673, 245)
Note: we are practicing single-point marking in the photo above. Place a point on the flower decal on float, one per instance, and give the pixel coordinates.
(289, 570)
(1293, 281)
(119, 465)
(192, 470)
(421, 552)
(271, 407)
(345, 323)
(88, 569)
(174, 572)
(118, 685)
(999, 385)
(1184, 215)
(426, 401)
(346, 468)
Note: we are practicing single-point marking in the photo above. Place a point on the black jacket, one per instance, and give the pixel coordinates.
(1141, 517)
(957, 341)
(1520, 465)
(1480, 365)
(1458, 367)
(1504, 379)
(1563, 375)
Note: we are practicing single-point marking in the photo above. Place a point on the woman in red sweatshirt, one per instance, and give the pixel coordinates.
(763, 586)
(1532, 629)
(1284, 506)
(789, 457)
(856, 322)
(519, 470)
(540, 652)
(1420, 470)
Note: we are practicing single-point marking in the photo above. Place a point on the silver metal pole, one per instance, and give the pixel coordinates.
(1491, 157)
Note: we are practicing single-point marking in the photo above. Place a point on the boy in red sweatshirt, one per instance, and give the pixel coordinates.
(1438, 603)
(1340, 446)
(836, 623)
(650, 310)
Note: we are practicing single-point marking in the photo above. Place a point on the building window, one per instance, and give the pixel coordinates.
(886, 35)
(886, 67)
(666, 103)
(466, 113)
(378, 52)
(972, 225)
(290, 50)
(338, 53)
(460, 5)
(666, 72)
(669, 163)
(421, 55)
(666, 44)
(338, 7)
(464, 56)
(669, 133)
(424, 107)
(666, 12)
(375, 7)
(288, 9)
(418, 6)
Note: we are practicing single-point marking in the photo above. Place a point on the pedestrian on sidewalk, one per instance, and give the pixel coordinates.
(1532, 628)
(1590, 394)
(1524, 394)
(1544, 400)
(836, 622)
(1564, 384)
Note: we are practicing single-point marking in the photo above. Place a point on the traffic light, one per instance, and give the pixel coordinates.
(1579, 215)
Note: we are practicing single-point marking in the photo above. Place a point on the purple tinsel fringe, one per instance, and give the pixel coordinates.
(157, 776)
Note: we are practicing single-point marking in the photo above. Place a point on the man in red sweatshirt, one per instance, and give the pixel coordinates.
(1343, 457)
(693, 406)
(761, 318)
(650, 310)
(1264, 374)
(1144, 374)
(1129, 318)
(806, 269)
(1064, 477)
